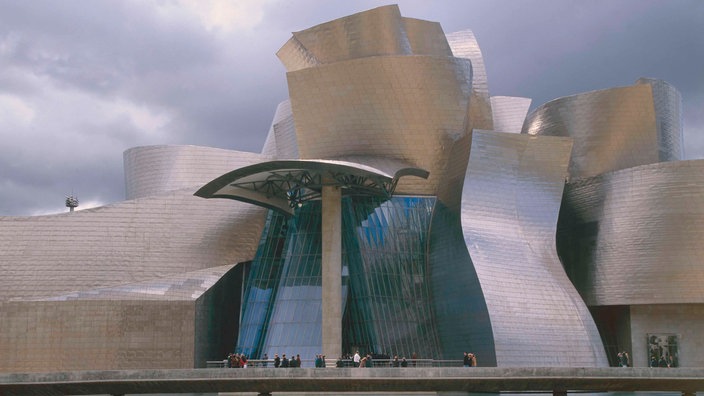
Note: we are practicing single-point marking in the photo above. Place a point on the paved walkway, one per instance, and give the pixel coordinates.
(266, 381)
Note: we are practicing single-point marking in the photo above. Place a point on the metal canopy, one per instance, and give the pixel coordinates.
(286, 184)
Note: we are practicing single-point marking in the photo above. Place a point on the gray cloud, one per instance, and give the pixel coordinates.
(82, 80)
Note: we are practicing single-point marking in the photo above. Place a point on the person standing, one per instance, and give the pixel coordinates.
(466, 361)
(266, 360)
(277, 360)
(395, 362)
(662, 362)
(356, 359)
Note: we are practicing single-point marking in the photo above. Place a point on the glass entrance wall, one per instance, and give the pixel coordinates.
(389, 289)
(386, 299)
(262, 284)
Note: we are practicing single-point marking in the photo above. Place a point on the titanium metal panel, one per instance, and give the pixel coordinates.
(510, 204)
(375, 32)
(172, 322)
(635, 236)
(426, 38)
(281, 140)
(464, 45)
(152, 170)
(406, 108)
(668, 116)
(612, 129)
(509, 113)
(125, 242)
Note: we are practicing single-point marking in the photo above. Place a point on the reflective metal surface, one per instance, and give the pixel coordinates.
(381, 31)
(368, 93)
(465, 260)
(118, 286)
(510, 205)
(339, 110)
(509, 113)
(668, 117)
(635, 236)
(464, 45)
(151, 170)
(281, 140)
(615, 128)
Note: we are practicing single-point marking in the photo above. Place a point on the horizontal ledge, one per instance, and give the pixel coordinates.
(479, 379)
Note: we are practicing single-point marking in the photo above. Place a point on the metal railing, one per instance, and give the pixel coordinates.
(308, 363)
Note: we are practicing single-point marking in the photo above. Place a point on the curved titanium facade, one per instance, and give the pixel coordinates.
(635, 236)
(668, 118)
(612, 129)
(510, 206)
(152, 170)
(405, 108)
(123, 243)
(461, 258)
(509, 113)
(464, 45)
(281, 142)
(378, 32)
(129, 285)
(372, 85)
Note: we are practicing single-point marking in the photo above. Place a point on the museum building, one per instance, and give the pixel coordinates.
(396, 208)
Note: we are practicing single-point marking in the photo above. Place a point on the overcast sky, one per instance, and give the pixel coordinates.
(82, 81)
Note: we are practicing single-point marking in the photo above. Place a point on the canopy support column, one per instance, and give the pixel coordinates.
(332, 272)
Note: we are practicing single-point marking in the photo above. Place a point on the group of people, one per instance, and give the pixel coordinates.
(367, 361)
(239, 360)
(664, 361)
(285, 362)
(469, 360)
(319, 361)
(236, 360)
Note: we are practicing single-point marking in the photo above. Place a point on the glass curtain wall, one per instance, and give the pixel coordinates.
(386, 299)
(389, 304)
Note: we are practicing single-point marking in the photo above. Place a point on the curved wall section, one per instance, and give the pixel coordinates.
(156, 169)
(381, 31)
(376, 32)
(426, 38)
(402, 107)
(668, 118)
(465, 45)
(281, 141)
(125, 242)
(635, 236)
(510, 205)
(612, 129)
(509, 113)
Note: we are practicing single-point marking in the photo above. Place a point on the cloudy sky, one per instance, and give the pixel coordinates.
(82, 81)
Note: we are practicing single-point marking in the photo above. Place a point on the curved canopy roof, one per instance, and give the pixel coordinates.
(284, 184)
